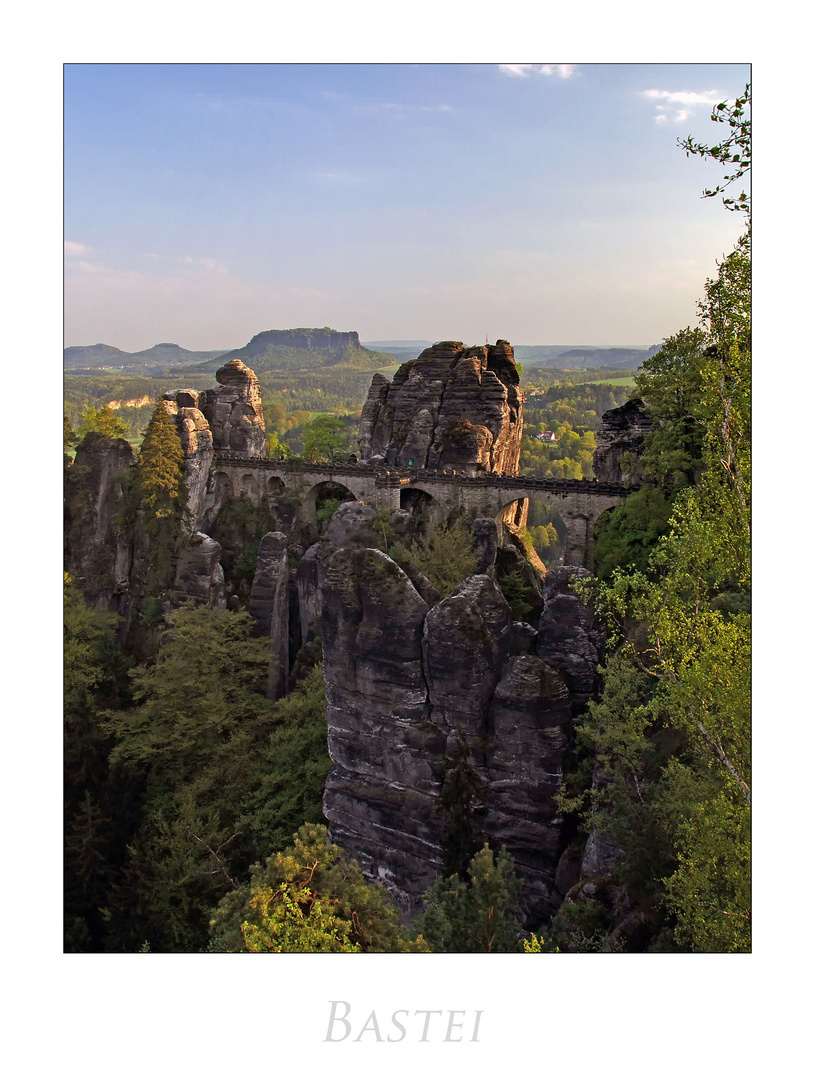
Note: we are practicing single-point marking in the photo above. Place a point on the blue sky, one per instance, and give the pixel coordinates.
(545, 203)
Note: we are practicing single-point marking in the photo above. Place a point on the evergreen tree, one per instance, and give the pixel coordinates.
(224, 774)
(474, 915)
(160, 466)
(103, 421)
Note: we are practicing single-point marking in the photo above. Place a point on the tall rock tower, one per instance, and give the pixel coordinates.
(453, 407)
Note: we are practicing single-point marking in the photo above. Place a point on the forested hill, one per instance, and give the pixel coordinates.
(165, 354)
(582, 356)
(304, 349)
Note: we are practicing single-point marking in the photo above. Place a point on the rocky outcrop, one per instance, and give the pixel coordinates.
(200, 577)
(570, 638)
(196, 441)
(234, 411)
(417, 691)
(623, 432)
(452, 407)
(385, 781)
(269, 604)
(529, 722)
(98, 551)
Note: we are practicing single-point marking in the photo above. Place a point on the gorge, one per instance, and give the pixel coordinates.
(449, 720)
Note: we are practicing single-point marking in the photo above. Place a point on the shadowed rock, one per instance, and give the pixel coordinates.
(199, 575)
(623, 431)
(269, 604)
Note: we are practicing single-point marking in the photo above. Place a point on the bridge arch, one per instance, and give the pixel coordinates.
(424, 507)
(274, 485)
(247, 487)
(319, 498)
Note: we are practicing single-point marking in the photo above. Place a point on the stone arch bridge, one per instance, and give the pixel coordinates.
(579, 502)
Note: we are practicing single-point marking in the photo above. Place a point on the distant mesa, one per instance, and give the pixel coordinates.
(307, 349)
(299, 349)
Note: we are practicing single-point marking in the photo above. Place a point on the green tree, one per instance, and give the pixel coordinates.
(676, 738)
(474, 915)
(309, 897)
(103, 421)
(733, 151)
(325, 438)
(94, 681)
(224, 774)
(516, 594)
(69, 436)
(670, 383)
(446, 556)
(161, 460)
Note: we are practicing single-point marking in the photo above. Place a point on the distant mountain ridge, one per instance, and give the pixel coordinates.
(165, 354)
(312, 349)
(299, 349)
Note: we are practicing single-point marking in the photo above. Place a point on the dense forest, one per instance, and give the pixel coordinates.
(193, 802)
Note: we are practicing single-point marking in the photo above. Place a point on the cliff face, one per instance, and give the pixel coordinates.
(234, 411)
(452, 407)
(623, 431)
(419, 695)
(97, 548)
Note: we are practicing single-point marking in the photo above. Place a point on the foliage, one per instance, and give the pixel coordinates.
(734, 150)
(160, 465)
(670, 383)
(670, 735)
(308, 898)
(224, 774)
(94, 681)
(573, 412)
(446, 556)
(461, 789)
(103, 421)
(516, 594)
(325, 439)
(69, 436)
(627, 535)
(477, 914)
(275, 448)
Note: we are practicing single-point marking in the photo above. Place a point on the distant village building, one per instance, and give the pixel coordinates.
(547, 436)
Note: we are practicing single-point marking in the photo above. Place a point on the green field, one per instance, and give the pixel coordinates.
(613, 382)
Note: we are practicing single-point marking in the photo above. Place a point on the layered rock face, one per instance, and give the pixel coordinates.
(570, 638)
(269, 604)
(453, 407)
(411, 686)
(200, 576)
(226, 417)
(98, 550)
(234, 411)
(196, 441)
(623, 432)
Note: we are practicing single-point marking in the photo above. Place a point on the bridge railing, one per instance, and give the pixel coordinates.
(448, 476)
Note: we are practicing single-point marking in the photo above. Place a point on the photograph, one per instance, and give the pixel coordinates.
(407, 514)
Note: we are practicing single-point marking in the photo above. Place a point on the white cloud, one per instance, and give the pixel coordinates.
(563, 71)
(516, 69)
(72, 249)
(680, 104)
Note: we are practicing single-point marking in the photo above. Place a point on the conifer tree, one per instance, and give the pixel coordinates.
(160, 466)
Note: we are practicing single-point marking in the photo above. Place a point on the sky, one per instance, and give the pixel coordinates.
(541, 203)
